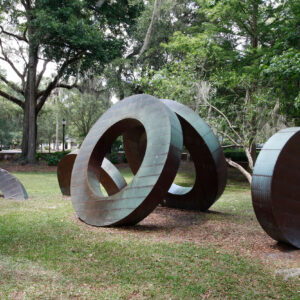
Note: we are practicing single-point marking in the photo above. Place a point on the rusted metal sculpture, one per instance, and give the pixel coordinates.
(276, 186)
(110, 177)
(206, 153)
(11, 187)
(154, 177)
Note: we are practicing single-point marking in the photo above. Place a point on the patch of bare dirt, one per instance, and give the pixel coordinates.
(174, 225)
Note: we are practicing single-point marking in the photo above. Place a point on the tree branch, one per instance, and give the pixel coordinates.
(19, 37)
(12, 99)
(225, 117)
(40, 75)
(230, 138)
(155, 13)
(68, 86)
(240, 168)
(21, 53)
(43, 95)
(11, 85)
(6, 59)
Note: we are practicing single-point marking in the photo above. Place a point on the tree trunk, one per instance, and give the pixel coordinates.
(253, 152)
(25, 132)
(30, 100)
(56, 133)
(241, 169)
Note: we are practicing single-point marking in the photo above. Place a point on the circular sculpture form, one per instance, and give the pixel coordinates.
(11, 187)
(110, 177)
(275, 186)
(154, 177)
(205, 150)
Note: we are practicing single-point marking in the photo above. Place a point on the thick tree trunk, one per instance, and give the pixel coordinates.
(25, 132)
(30, 101)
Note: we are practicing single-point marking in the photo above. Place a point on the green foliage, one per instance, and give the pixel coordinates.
(76, 29)
(114, 158)
(10, 125)
(52, 159)
(237, 155)
(46, 124)
(81, 111)
(241, 62)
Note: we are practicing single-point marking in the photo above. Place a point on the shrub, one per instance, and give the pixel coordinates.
(113, 157)
(52, 159)
(237, 155)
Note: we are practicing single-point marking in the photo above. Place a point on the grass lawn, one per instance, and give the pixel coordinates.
(47, 253)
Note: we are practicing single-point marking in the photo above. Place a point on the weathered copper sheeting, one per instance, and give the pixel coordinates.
(154, 177)
(276, 186)
(110, 177)
(11, 187)
(206, 153)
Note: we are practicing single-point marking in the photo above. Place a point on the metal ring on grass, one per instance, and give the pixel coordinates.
(154, 177)
(206, 153)
(110, 177)
(11, 187)
(276, 186)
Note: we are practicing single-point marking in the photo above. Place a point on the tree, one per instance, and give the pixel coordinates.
(47, 124)
(156, 25)
(75, 35)
(81, 112)
(10, 124)
(218, 69)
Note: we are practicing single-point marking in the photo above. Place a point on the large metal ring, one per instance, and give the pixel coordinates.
(276, 186)
(154, 177)
(110, 177)
(206, 153)
(11, 187)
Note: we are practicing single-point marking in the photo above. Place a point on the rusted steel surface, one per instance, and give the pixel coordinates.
(275, 186)
(11, 187)
(110, 177)
(154, 177)
(206, 153)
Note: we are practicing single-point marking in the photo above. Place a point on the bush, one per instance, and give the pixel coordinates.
(237, 155)
(52, 159)
(113, 157)
(124, 158)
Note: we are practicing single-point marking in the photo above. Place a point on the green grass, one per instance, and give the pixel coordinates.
(46, 253)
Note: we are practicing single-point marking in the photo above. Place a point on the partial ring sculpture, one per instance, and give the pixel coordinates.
(154, 177)
(206, 153)
(110, 177)
(11, 187)
(276, 186)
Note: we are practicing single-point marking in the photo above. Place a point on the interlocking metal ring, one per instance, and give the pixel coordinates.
(152, 180)
(110, 177)
(206, 153)
(275, 186)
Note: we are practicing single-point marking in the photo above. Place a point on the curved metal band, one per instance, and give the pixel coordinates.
(207, 155)
(11, 187)
(110, 177)
(151, 182)
(275, 186)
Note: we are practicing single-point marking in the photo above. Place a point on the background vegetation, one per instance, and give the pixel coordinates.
(236, 63)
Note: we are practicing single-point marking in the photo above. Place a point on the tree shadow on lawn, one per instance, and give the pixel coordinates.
(166, 219)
